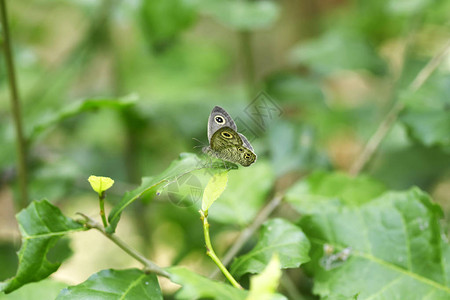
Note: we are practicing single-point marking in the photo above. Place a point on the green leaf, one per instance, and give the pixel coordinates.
(79, 107)
(247, 189)
(394, 248)
(41, 225)
(100, 183)
(320, 188)
(195, 286)
(44, 289)
(187, 163)
(276, 236)
(243, 15)
(115, 284)
(264, 285)
(214, 189)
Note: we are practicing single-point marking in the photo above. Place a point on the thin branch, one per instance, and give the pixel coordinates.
(149, 265)
(16, 110)
(290, 287)
(425, 73)
(376, 139)
(247, 62)
(249, 231)
(387, 123)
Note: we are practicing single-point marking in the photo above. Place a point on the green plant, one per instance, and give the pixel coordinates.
(348, 198)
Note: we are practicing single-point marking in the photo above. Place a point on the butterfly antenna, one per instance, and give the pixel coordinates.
(200, 142)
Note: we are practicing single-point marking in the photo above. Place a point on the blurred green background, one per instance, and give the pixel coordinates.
(333, 67)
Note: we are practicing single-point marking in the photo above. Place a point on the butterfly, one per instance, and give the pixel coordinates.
(224, 140)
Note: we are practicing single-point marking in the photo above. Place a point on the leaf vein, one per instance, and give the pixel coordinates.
(407, 240)
(390, 266)
(385, 288)
(50, 234)
(132, 285)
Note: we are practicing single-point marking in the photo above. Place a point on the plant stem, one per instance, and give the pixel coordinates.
(16, 110)
(101, 199)
(247, 62)
(249, 231)
(425, 73)
(210, 251)
(291, 287)
(149, 265)
(387, 123)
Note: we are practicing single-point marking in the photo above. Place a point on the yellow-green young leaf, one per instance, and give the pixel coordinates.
(100, 184)
(264, 285)
(215, 187)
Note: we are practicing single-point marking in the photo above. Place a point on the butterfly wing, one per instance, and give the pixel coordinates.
(219, 118)
(245, 141)
(228, 145)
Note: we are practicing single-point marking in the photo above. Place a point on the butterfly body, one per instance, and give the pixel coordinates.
(224, 140)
